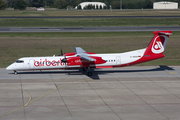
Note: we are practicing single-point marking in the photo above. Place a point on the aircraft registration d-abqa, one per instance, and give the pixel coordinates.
(88, 60)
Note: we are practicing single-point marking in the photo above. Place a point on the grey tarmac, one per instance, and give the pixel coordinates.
(129, 93)
(73, 17)
(88, 29)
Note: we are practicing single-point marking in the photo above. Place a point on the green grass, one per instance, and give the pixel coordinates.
(89, 22)
(78, 34)
(82, 34)
(57, 12)
(17, 45)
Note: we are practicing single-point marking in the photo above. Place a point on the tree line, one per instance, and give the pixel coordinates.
(64, 4)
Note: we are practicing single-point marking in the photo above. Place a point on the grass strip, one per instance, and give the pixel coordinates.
(57, 12)
(64, 22)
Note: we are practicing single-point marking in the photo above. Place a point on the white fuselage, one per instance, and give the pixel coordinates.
(46, 63)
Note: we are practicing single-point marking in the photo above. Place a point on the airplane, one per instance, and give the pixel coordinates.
(81, 59)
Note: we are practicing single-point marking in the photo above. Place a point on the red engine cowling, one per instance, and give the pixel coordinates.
(69, 54)
(84, 63)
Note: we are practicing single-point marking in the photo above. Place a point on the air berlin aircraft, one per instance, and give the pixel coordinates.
(87, 60)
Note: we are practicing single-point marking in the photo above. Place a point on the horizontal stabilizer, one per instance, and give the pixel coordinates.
(162, 32)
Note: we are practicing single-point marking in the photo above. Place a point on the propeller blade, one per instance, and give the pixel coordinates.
(64, 60)
(61, 53)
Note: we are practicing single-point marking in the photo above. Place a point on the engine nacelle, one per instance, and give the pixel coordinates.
(71, 61)
(69, 54)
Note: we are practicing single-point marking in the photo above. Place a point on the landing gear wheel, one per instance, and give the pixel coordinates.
(15, 72)
(89, 73)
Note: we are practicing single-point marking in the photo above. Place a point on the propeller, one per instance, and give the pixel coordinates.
(61, 53)
(64, 60)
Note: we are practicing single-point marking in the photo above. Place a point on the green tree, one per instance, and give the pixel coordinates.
(2, 5)
(10, 3)
(77, 2)
(72, 3)
(20, 4)
(138, 4)
(116, 4)
(49, 3)
(148, 4)
(60, 4)
(37, 3)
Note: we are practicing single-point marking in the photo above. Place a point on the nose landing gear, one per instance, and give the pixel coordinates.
(15, 72)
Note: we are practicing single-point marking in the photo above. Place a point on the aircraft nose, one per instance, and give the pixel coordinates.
(10, 67)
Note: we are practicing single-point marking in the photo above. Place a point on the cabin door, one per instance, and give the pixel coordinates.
(31, 64)
(118, 60)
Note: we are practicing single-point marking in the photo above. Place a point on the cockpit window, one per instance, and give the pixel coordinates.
(19, 61)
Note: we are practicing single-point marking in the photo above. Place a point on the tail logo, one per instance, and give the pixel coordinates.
(157, 46)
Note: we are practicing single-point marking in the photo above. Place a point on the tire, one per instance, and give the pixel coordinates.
(15, 72)
(89, 73)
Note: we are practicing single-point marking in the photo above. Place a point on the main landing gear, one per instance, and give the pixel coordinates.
(15, 72)
(88, 70)
(89, 73)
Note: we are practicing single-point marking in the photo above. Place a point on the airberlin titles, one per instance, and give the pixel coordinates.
(48, 63)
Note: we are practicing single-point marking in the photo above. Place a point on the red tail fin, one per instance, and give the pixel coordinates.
(158, 43)
(155, 48)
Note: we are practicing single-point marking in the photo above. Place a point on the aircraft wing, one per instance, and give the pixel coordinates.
(79, 50)
(87, 58)
(82, 53)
